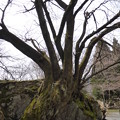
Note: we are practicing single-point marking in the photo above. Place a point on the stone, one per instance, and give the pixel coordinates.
(3, 104)
(1, 115)
(77, 114)
(11, 87)
(17, 96)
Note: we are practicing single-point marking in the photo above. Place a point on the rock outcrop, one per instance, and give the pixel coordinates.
(83, 107)
(15, 97)
(1, 115)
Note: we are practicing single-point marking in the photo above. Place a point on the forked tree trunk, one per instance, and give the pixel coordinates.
(56, 100)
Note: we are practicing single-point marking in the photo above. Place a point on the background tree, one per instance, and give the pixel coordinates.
(63, 79)
(13, 68)
(35, 72)
(106, 83)
(4, 68)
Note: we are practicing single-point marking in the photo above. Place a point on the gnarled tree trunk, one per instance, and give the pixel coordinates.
(59, 97)
(54, 103)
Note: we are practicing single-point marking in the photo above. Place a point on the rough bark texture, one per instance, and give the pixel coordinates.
(51, 107)
(54, 104)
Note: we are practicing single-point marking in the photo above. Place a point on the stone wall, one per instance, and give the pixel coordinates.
(15, 97)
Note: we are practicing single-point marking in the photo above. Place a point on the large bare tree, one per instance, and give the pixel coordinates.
(64, 64)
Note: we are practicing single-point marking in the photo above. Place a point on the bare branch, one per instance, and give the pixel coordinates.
(102, 27)
(28, 10)
(95, 21)
(57, 5)
(89, 5)
(91, 67)
(49, 21)
(98, 30)
(78, 51)
(62, 25)
(62, 4)
(105, 13)
(2, 24)
(102, 70)
(81, 6)
(84, 62)
(5, 68)
(38, 49)
(46, 36)
(26, 49)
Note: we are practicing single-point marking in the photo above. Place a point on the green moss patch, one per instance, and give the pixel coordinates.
(85, 102)
(43, 107)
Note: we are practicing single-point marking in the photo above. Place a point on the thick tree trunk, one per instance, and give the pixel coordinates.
(53, 103)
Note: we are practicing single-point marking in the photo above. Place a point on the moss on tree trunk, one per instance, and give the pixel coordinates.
(52, 104)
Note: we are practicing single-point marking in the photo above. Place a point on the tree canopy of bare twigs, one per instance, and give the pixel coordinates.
(62, 60)
(63, 34)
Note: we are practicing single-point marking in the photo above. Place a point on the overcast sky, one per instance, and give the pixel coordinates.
(26, 24)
